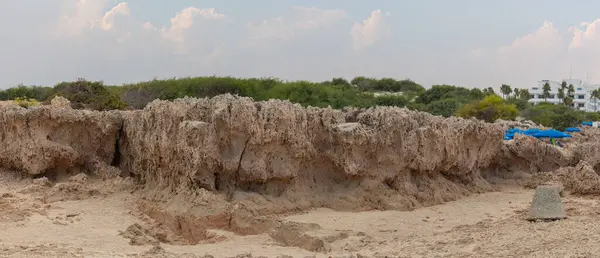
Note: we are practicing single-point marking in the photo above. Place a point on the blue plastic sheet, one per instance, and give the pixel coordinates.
(551, 133)
(572, 129)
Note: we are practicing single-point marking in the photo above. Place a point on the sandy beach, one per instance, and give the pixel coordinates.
(483, 225)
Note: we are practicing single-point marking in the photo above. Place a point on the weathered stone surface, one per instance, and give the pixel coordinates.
(547, 204)
(44, 139)
(227, 144)
(227, 162)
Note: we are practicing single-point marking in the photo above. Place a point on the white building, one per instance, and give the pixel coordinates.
(582, 97)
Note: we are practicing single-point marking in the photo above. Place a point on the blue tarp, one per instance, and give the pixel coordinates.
(531, 131)
(510, 133)
(551, 133)
(572, 129)
(587, 123)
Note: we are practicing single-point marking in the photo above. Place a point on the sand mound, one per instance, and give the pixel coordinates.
(141, 236)
(306, 236)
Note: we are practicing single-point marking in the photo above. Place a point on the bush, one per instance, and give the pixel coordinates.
(88, 94)
(391, 100)
(490, 109)
(444, 100)
(26, 102)
(558, 117)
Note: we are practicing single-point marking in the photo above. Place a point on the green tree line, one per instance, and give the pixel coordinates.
(363, 92)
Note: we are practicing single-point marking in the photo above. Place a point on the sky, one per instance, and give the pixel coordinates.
(470, 43)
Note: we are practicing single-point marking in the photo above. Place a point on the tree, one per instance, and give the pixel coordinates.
(516, 91)
(489, 91)
(391, 100)
(506, 90)
(88, 94)
(443, 107)
(595, 96)
(524, 94)
(340, 81)
(568, 101)
(561, 94)
(546, 91)
(558, 117)
(361, 82)
(490, 109)
(570, 95)
(571, 91)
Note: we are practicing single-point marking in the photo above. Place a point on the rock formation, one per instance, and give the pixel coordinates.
(276, 157)
(528, 154)
(233, 163)
(50, 139)
(580, 179)
(275, 147)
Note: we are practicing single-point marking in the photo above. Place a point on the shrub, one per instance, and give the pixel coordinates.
(490, 109)
(26, 102)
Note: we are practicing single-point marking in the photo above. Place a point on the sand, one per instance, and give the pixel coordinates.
(485, 225)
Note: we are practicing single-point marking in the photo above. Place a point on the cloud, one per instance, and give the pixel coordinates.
(544, 40)
(546, 53)
(181, 23)
(108, 21)
(104, 40)
(287, 27)
(370, 31)
(88, 15)
(184, 20)
(82, 15)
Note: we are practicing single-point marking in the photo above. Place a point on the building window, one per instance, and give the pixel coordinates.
(580, 96)
(579, 88)
(551, 96)
(535, 88)
(580, 105)
(532, 96)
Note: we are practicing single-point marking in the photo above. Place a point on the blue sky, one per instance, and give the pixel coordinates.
(462, 42)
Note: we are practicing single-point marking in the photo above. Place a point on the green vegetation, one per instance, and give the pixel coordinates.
(489, 109)
(25, 102)
(443, 100)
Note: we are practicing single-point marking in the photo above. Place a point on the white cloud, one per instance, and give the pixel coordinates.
(108, 21)
(370, 31)
(544, 40)
(184, 20)
(586, 37)
(86, 16)
(104, 40)
(285, 28)
(546, 53)
(83, 15)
